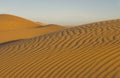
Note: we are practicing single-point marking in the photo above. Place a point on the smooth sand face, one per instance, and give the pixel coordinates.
(89, 51)
(41, 24)
(11, 22)
(27, 33)
(14, 28)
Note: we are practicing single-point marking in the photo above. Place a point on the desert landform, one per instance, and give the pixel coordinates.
(35, 50)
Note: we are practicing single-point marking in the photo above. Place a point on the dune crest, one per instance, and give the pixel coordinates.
(11, 22)
(15, 28)
(28, 33)
(41, 24)
(88, 51)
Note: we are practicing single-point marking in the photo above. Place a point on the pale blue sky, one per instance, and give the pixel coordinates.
(64, 12)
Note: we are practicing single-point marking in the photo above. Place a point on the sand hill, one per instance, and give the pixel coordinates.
(11, 22)
(41, 24)
(28, 33)
(21, 28)
(88, 51)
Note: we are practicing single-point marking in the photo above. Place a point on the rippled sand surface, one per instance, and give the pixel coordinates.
(88, 51)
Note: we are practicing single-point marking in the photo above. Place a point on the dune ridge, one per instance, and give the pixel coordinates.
(11, 22)
(27, 33)
(88, 51)
(15, 28)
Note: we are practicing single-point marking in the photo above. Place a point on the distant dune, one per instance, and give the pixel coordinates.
(41, 24)
(27, 33)
(14, 28)
(87, 51)
(11, 22)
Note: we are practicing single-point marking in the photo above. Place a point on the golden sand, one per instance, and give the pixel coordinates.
(14, 28)
(41, 24)
(11, 22)
(88, 51)
(27, 33)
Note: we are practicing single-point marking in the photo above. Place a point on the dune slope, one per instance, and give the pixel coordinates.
(90, 51)
(28, 33)
(14, 28)
(11, 22)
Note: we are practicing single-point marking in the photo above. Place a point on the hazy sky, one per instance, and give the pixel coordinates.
(64, 12)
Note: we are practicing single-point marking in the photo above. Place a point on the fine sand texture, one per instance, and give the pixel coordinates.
(88, 51)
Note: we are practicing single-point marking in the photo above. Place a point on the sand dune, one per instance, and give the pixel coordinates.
(14, 28)
(11, 22)
(27, 33)
(88, 51)
(41, 24)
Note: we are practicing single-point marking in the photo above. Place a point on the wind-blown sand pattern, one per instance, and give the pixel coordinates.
(88, 51)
